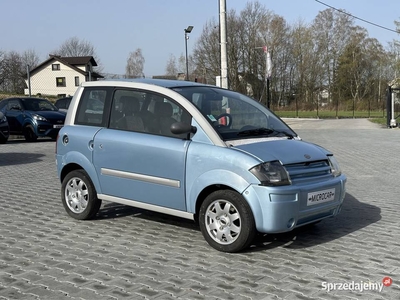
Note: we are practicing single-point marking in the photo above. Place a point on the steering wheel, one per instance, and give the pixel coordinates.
(228, 118)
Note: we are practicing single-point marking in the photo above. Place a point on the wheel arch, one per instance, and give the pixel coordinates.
(28, 122)
(204, 193)
(69, 164)
(69, 168)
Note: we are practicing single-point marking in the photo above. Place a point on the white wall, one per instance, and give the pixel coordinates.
(44, 81)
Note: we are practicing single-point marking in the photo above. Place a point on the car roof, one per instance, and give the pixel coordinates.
(166, 83)
(64, 98)
(26, 98)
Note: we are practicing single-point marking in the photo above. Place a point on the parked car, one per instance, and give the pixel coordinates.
(32, 117)
(4, 129)
(194, 151)
(63, 103)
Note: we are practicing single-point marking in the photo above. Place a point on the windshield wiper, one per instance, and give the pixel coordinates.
(255, 131)
(264, 131)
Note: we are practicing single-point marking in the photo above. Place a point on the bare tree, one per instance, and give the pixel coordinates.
(75, 47)
(306, 58)
(206, 53)
(30, 58)
(135, 64)
(358, 68)
(247, 33)
(13, 69)
(2, 63)
(14, 72)
(171, 68)
(332, 30)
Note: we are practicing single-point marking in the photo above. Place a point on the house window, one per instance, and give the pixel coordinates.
(55, 67)
(60, 81)
(76, 80)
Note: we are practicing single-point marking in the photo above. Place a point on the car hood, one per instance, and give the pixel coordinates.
(48, 114)
(288, 151)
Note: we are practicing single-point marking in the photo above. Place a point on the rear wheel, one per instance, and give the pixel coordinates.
(29, 134)
(79, 196)
(226, 221)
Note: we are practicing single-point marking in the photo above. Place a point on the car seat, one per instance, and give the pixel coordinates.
(131, 119)
(163, 112)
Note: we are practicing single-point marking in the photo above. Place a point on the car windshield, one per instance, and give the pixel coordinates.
(235, 116)
(38, 104)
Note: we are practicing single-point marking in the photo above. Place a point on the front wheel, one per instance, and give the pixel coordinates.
(79, 196)
(29, 134)
(226, 221)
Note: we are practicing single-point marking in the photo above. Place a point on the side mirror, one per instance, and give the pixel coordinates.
(180, 128)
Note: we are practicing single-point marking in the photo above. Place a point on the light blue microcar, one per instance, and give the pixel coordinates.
(194, 151)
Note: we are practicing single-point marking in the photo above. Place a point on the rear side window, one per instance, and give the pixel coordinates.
(60, 103)
(93, 107)
(14, 104)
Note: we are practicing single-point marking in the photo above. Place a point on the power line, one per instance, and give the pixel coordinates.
(343, 12)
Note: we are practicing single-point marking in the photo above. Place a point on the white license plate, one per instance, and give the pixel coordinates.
(320, 197)
(58, 126)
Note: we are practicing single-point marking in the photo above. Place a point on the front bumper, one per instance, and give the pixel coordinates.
(50, 130)
(281, 209)
(4, 132)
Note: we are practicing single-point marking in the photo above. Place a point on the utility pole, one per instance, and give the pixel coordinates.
(268, 72)
(223, 44)
(28, 72)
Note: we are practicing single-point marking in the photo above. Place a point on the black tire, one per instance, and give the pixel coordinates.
(226, 221)
(79, 196)
(3, 141)
(29, 134)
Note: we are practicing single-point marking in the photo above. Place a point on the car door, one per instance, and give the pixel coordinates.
(14, 114)
(141, 166)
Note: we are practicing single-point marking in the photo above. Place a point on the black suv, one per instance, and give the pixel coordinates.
(63, 103)
(32, 117)
(4, 129)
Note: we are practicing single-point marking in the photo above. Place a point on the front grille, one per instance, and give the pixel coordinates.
(55, 121)
(306, 170)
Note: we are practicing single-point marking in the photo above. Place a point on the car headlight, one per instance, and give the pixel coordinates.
(3, 119)
(39, 118)
(271, 173)
(335, 169)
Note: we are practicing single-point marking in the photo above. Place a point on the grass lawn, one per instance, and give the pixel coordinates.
(378, 117)
(330, 114)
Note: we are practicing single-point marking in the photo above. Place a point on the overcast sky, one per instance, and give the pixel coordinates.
(118, 27)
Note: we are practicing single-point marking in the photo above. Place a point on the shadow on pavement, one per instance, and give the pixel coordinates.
(23, 141)
(19, 158)
(115, 210)
(354, 216)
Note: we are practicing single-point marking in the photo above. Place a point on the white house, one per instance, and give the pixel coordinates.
(60, 76)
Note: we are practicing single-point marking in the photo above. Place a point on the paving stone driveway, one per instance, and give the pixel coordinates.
(128, 253)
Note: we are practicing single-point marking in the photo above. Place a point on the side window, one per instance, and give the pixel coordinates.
(92, 108)
(126, 111)
(14, 104)
(143, 111)
(166, 112)
(61, 103)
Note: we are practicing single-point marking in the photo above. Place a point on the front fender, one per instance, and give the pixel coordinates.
(213, 177)
(74, 157)
(28, 121)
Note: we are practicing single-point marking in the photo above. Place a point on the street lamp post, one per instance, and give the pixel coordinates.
(187, 30)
